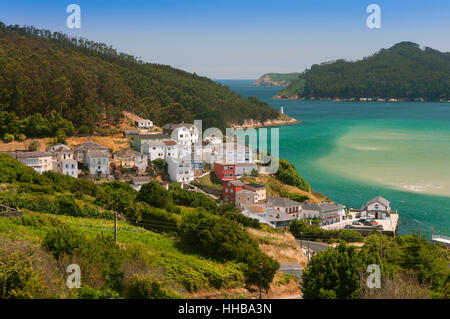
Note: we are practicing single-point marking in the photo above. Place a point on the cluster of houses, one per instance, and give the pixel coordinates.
(175, 144)
(252, 199)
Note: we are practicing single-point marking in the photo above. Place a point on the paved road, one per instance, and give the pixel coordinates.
(312, 245)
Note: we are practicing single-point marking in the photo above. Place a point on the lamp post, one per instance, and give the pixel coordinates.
(260, 280)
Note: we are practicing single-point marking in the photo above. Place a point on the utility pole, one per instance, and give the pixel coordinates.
(308, 251)
(260, 280)
(381, 244)
(115, 228)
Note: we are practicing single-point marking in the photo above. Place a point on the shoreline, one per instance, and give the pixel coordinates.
(269, 123)
(279, 97)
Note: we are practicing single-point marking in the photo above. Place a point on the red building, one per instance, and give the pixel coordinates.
(229, 190)
(225, 172)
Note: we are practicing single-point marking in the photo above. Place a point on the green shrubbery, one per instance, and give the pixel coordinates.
(302, 230)
(224, 239)
(155, 219)
(161, 164)
(191, 199)
(341, 272)
(18, 279)
(288, 174)
(147, 288)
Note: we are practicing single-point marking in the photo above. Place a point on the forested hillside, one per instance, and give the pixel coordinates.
(404, 71)
(276, 79)
(85, 82)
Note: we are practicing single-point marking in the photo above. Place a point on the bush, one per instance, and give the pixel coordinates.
(83, 129)
(18, 279)
(63, 240)
(154, 195)
(228, 210)
(155, 218)
(34, 145)
(145, 288)
(225, 240)
(8, 138)
(288, 174)
(160, 163)
(333, 273)
(191, 199)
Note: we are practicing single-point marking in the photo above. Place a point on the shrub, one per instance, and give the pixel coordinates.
(155, 218)
(18, 279)
(160, 163)
(67, 206)
(8, 138)
(154, 195)
(145, 288)
(288, 174)
(191, 199)
(333, 273)
(63, 240)
(224, 239)
(83, 129)
(34, 145)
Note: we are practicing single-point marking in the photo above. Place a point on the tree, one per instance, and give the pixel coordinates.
(8, 138)
(34, 145)
(154, 195)
(288, 174)
(333, 273)
(60, 136)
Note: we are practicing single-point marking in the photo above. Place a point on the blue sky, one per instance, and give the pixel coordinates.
(243, 39)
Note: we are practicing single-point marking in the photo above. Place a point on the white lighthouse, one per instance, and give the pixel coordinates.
(282, 110)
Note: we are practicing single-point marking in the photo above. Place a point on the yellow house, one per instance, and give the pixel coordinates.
(129, 159)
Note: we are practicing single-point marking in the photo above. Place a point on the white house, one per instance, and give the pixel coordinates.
(68, 167)
(139, 141)
(228, 153)
(245, 198)
(378, 207)
(245, 168)
(180, 170)
(182, 133)
(63, 160)
(329, 213)
(98, 162)
(286, 205)
(160, 149)
(80, 151)
(40, 161)
(143, 124)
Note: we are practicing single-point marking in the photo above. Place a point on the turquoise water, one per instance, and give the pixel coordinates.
(352, 152)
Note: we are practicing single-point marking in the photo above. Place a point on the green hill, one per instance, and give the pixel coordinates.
(276, 79)
(404, 71)
(88, 82)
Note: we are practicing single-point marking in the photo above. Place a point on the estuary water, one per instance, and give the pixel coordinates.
(354, 151)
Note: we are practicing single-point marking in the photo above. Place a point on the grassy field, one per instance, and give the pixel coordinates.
(188, 273)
